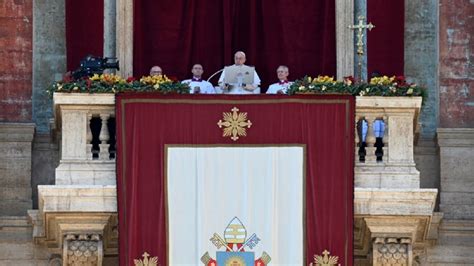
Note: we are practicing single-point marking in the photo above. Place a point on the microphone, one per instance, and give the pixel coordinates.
(217, 72)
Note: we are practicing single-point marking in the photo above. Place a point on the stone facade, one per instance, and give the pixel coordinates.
(456, 63)
(16, 60)
(15, 168)
(394, 222)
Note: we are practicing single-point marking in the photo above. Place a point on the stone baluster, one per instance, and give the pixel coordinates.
(385, 140)
(104, 138)
(392, 251)
(89, 137)
(82, 250)
(370, 140)
(357, 140)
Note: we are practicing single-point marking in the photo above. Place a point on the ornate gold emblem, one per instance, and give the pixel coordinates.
(325, 260)
(153, 261)
(234, 124)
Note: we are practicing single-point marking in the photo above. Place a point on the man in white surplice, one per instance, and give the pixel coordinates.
(239, 60)
(282, 85)
(197, 84)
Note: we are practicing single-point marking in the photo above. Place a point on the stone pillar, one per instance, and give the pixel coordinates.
(457, 172)
(15, 168)
(392, 251)
(109, 28)
(344, 38)
(360, 9)
(124, 35)
(421, 57)
(49, 56)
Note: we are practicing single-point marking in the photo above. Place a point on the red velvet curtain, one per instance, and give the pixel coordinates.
(386, 41)
(175, 34)
(84, 30)
(146, 122)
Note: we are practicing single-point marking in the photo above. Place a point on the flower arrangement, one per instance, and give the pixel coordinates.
(377, 86)
(111, 83)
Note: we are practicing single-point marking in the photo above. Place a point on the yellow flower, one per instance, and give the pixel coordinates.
(95, 77)
(309, 79)
(323, 88)
(362, 93)
(156, 86)
(410, 91)
(301, 88)
(384, 80)
(323, 79)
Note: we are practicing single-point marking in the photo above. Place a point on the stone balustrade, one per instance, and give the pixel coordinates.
(393, 216)
(395, 167)
(81, 162)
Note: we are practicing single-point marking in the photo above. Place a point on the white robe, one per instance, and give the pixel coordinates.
(204, 86)
(239, 90)
(275, 87)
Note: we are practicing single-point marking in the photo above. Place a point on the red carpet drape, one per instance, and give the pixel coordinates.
(386, 41)
(84, 30)
(146, 122)
(178, 33)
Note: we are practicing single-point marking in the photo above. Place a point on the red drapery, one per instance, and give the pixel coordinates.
(385, 46)
(147, 122)
(84, 30)
(178, 33)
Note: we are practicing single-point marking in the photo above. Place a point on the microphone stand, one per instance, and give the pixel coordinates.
(217, 72)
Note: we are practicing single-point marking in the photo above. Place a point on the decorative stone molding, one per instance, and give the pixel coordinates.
(456, 150)
(83, 250)
(392, 251)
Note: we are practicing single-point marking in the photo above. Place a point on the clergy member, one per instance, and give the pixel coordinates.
(239, 61)
(282, 85)
(155, 71)
(197, 84)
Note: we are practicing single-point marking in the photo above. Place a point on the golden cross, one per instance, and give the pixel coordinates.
(234, 124)
(360, 33)
(360, 40)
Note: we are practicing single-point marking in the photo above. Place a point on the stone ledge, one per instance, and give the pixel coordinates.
(388, 102)
(373, 201)
(16, 132)
(83, 99)
(77, 198)
(456, 137)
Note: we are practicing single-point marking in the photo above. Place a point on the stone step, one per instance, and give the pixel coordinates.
(15, 229)
(15, 193)
(15, 207)
(457, 232)
(16, 243)
(450, 255)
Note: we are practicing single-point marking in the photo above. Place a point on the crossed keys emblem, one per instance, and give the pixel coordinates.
(235, 241)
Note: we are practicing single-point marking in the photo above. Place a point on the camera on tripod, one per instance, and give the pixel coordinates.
(91, 65)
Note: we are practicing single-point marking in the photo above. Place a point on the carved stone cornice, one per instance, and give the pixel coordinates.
(83, 250)
(60, 227)
(392, 251)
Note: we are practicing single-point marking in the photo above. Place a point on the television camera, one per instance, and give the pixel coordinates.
(91, 65)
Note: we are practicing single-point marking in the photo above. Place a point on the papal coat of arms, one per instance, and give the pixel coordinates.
(235, 241)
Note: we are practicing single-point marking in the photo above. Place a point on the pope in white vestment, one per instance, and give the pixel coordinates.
(197, 84)
(282, 86)
(239, 59)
